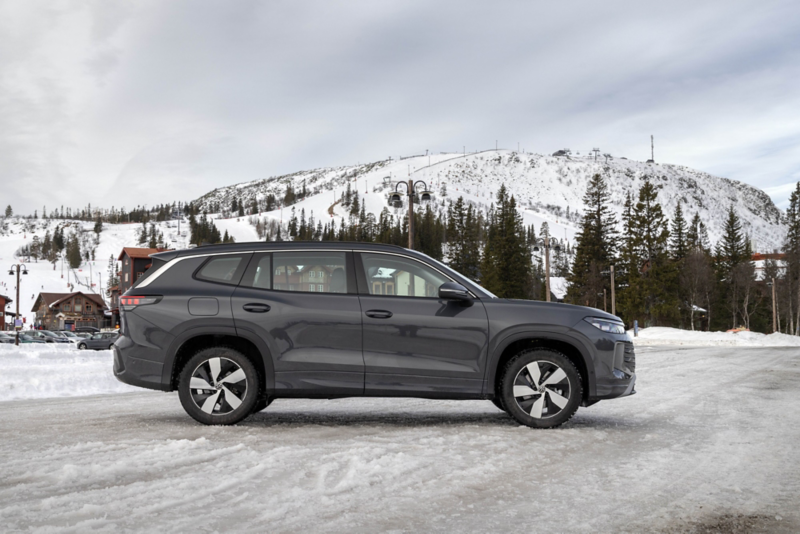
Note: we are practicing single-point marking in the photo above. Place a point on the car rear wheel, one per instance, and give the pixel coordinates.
(541, 388)
(218, 386)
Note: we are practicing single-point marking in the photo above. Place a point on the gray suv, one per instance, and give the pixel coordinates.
(232, 327)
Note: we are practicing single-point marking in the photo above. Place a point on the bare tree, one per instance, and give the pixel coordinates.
(697, 280)
(744, 284)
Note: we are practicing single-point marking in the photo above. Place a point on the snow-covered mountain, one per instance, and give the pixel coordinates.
(547, 188)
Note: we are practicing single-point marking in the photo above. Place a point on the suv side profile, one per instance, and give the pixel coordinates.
(233, 327)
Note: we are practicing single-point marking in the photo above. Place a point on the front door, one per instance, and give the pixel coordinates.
(415, 342)
(304, 305)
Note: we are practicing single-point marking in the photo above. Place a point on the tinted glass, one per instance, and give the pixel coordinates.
(397, 276)
(292, 271)
(258, 273)
(222, 269)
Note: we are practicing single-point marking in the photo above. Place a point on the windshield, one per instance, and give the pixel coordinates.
(470, 284)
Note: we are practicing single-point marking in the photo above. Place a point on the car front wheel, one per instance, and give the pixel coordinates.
(541, 388)
(218, 386)
(82, 346)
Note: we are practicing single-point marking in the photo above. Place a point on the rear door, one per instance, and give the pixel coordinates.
(415, 342)
(304, 305)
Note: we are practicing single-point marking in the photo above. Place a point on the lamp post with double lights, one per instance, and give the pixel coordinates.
(23, 268)
(396, 200)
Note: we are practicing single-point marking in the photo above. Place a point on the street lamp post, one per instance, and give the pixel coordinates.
(16, 267)
(424, 196)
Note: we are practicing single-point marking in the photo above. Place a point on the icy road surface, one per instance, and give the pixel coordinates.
(711, 441)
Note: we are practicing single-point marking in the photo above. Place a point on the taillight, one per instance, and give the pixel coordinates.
(129, 303)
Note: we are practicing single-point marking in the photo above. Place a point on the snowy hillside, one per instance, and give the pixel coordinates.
(547, 188)
(91, 276)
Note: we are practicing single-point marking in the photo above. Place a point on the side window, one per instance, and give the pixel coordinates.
(222, 269)
(388, 274)
(258, 272)
(292, 271)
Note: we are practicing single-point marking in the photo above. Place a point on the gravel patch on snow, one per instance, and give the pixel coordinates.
(36, 371)
(658, 335)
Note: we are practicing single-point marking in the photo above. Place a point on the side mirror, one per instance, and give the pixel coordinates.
(453, 291)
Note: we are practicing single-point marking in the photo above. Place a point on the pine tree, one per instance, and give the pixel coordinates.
(596, 245)
(651, 296)
(506, 266)
(9, 211)
(678, 239)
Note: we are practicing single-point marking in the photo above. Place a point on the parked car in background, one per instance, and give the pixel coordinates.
(69, 335)
(5, 338)
(87, 329)
(25, 338)
(101, 341)
(47, 336)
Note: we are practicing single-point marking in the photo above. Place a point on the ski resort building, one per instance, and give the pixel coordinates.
(69, 311)
(4, 314)
(135, 261)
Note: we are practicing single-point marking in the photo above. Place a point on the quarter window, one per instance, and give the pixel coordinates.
(222, 269)
(394, 275)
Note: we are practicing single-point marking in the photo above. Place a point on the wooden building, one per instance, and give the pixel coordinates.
(134, 263)
(67, 311)
(6, 315)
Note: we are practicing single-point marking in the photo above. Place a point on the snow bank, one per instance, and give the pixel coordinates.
(45, 371)
(673, 336)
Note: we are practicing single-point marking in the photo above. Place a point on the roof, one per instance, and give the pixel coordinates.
(137, 253)
(7, 299)
(51, 299)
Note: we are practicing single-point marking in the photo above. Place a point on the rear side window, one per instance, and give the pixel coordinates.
(318, 272)
(222, 269)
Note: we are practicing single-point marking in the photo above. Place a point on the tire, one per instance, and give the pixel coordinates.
(497, 401)
(261, 405)
(541, 388)
(229, 386)
(81, 346)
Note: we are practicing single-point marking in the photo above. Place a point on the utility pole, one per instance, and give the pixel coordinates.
(547, 264)
(410, 213)
(613, 299)
(774, 310)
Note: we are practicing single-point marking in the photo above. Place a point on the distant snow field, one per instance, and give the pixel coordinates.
(38, 371)
(658, 335)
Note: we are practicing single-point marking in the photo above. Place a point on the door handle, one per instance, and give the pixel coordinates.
(378, 314)
(255, 307)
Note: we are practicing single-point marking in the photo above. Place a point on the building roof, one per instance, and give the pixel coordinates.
(7, 299)
(51, 299)
(138, 253)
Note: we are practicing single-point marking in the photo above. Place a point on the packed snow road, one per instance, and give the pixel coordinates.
(709, 442)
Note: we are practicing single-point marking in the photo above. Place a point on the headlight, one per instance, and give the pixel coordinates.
(606, 325)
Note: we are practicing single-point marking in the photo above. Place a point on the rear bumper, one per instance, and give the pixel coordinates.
(135, 371)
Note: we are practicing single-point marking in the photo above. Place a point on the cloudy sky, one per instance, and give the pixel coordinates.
(123, 103)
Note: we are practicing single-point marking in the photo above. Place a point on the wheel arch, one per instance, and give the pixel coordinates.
(575, 350)
(187, 344)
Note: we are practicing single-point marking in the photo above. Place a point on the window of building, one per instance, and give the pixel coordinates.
(66, 307)
(313, 274)
(321, 288)
(126, 277)
(408, 277)
(88, 308)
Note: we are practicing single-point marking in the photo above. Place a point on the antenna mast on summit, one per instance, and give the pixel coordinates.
(652, 151)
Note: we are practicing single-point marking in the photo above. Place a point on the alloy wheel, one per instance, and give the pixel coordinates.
(542, 389)
(218, 386)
